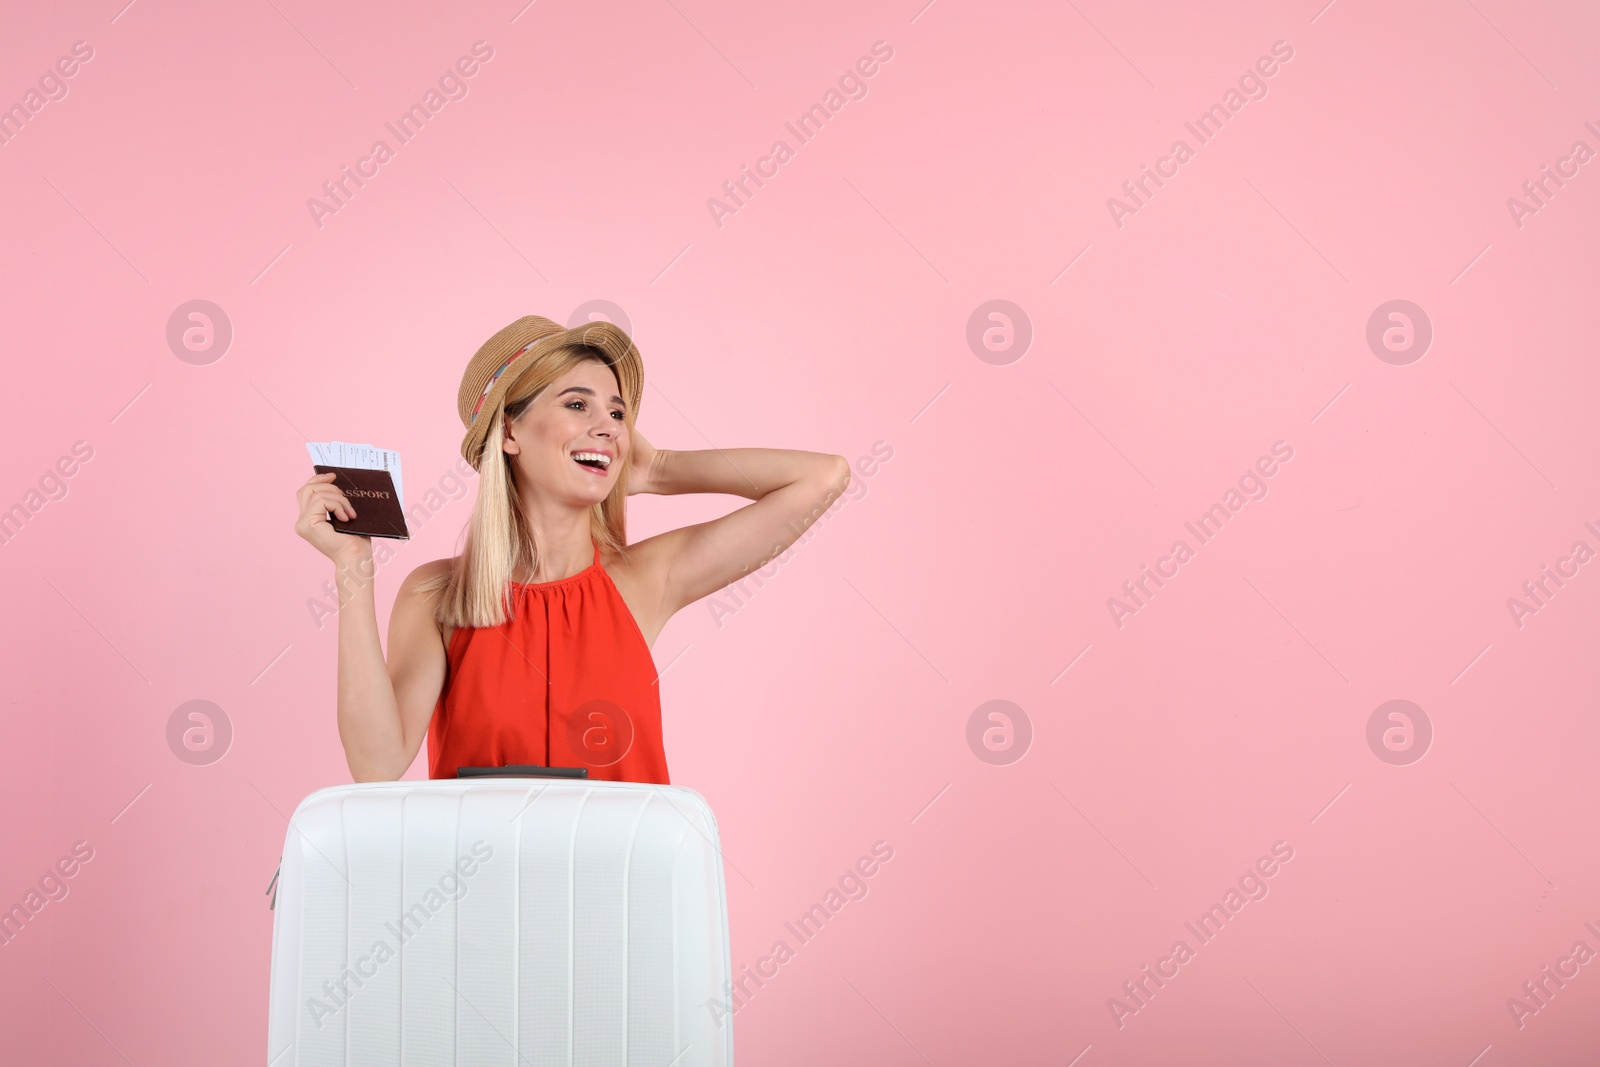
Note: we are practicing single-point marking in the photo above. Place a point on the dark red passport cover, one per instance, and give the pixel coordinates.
(373, 496)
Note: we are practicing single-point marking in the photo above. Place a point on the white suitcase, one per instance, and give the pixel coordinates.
(488, 921)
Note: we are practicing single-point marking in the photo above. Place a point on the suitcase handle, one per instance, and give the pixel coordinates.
(522, 770)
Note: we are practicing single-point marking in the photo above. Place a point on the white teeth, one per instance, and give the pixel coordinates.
(603, 459)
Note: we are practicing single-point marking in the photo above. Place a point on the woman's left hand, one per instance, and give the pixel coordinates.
(642, 459)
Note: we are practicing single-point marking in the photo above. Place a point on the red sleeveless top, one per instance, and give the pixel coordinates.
(567, 681)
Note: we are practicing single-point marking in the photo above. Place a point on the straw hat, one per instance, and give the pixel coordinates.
(503, 358)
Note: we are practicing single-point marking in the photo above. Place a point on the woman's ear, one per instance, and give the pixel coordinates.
(508, 444)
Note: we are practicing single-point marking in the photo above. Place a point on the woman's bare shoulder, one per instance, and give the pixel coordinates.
(432, 574)
(422, 601)
(432, 568)
(632, 569)
(643, 560)
(639, 573)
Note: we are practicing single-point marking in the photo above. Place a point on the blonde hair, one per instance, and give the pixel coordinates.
(476, 588)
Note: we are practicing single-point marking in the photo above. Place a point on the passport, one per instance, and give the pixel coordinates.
(372, 493)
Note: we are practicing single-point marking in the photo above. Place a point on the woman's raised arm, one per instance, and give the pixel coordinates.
(791, 488)
(383, 709)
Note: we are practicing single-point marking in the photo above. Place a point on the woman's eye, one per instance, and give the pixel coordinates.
(622, 415)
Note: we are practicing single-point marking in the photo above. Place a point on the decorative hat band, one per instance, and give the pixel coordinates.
(495, 376)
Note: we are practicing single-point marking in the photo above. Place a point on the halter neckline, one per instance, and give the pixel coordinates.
(569, 578)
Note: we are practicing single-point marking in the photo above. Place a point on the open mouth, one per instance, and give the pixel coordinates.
(598, 462)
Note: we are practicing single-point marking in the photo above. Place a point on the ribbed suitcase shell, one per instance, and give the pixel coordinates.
(569, 922)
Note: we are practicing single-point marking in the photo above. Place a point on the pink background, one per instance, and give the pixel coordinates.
(830, 313)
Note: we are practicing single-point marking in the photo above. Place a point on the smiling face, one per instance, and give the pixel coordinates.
(580, 414)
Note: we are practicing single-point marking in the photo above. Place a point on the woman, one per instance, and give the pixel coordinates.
(533, 645)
